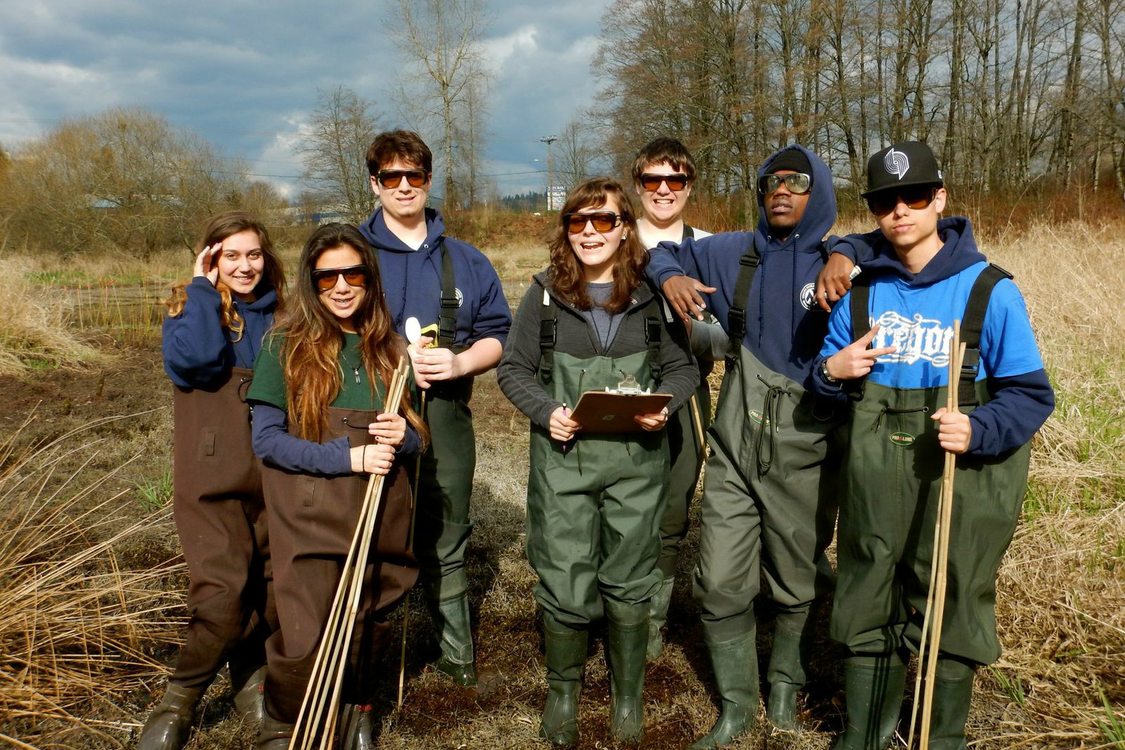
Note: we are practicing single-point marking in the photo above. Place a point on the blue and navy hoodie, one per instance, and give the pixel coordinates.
(412, 281)
(915, 314)
(784, 325)
(198, 351)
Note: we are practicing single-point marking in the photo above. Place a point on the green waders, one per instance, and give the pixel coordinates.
(769, 505)
(885, 548)
(443, 526)
(593, 514)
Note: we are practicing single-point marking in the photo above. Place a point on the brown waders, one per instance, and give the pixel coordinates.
(893, 481)
(312, 520)
(593, 514)
(221, 521)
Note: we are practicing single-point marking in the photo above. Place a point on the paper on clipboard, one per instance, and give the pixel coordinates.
(602, 411)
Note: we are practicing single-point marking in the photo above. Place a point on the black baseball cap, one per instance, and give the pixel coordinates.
(901, 165)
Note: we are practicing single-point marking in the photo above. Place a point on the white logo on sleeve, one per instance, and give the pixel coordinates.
(896, 163)
(915, 339)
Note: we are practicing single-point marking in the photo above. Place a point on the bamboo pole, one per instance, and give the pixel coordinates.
(410, 545)
(322, 693)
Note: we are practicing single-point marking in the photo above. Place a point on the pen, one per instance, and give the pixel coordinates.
(566, 443)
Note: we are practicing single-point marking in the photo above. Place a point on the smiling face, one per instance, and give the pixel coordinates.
(596, 250)
(662, 206)
(403, 205)
(241, 262)
(342, 300)
(784, 208)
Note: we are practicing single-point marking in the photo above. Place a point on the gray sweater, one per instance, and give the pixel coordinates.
(519, 367)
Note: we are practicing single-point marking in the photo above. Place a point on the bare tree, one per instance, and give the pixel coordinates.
(340, 130)
(575, 155)
(442, 38)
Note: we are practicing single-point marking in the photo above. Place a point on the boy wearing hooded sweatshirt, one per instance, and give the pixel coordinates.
(890, 341)
(769, 490)
(450, 285)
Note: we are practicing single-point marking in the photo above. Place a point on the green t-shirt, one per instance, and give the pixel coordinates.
(355, 390)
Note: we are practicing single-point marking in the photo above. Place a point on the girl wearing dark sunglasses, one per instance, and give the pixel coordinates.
(211, 336)
(318, 426)
(594, 499)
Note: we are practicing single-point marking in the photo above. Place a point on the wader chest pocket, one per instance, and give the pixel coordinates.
(207, 449)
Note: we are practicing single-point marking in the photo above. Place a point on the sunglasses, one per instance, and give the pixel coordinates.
(651, 182)
(915, 197)
(603, 221)
(391, 178)
(325, 279)
(797, 183)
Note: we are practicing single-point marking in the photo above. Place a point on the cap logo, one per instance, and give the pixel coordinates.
(896, 163)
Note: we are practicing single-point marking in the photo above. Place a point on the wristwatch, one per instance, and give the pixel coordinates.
(824, 372)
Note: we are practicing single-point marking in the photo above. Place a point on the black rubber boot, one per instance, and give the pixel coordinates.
(953, 692)
(169, 725)
(873, 688)
(249, 700)
(735, 663)
(357, 728)
(566, 655)
(786, 676)
(274, 734)
(658, 616)
(626, 644)
(455, 628)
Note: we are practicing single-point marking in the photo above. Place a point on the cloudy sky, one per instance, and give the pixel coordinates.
(245, 75)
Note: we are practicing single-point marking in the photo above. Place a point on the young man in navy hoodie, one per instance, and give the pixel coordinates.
(769, 492)
(450, 285)
(888, 346)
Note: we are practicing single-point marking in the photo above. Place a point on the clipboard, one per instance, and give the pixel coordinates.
(608, 411)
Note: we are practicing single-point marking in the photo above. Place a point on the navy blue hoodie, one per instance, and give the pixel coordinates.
(198, 351)
(784, 325)
(412, 281)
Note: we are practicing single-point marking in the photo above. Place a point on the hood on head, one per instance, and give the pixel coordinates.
(820, 213)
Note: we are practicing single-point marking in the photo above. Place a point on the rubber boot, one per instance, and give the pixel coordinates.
(735, 663)
(169, 725)
(455, 628)
(873, 689)
(249, 700)
(953, 691)
(658, 616)
(566, 655)
(357, 728)
(626, 643)
(274, 734)
(786, 677)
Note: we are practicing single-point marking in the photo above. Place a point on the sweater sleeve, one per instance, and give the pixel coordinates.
(273, 444)
(679, 374)
(518, 372)
(836, 338)
(1018, 408)
(194, 343)
(494, 317)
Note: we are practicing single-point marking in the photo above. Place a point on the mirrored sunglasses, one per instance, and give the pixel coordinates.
(797, 183)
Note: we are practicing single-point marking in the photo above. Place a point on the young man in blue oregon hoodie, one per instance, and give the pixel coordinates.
(448, 284)
(769, 492)
(888, 347)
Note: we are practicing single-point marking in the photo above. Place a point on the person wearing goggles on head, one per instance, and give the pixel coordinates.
(887, 354)
(590, 322)
(663, 173)
(211, 338)
(452, 290)
(769, 494)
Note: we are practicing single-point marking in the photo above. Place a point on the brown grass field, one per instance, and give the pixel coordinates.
(91, 585)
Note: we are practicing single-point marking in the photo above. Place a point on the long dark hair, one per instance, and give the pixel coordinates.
(313, 337)
(566, 272)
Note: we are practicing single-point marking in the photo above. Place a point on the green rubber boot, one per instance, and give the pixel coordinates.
(953, 691)
(357, 728)
(658, 616)
(873, 688)
(169, 725)
(566, 655)
(786, 676)
(735, 663)
(626, 643)
(249, 699)
(274, 734)
(455, 626)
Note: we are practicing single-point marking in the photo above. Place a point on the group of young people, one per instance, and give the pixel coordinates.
(826, 408)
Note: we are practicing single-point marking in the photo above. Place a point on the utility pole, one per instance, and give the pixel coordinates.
(549, 139)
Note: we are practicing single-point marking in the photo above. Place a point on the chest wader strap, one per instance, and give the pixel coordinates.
(447, 318)
(548, 335)
(972, 323)
(736, 316)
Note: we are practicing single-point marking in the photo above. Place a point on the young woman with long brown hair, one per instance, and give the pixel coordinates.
(594, 500)
(211, 337)
(318, 395)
